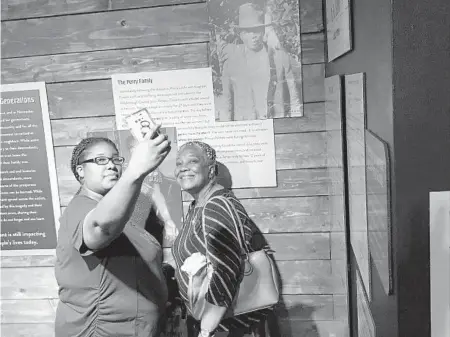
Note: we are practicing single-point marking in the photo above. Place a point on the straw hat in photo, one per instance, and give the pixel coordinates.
(251, 16)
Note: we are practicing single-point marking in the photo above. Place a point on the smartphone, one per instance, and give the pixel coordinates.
(140, 122)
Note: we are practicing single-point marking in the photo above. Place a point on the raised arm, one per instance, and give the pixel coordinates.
(107, 220)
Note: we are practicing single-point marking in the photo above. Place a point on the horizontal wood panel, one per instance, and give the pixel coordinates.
(313, 48)
(80, 99)
(305, 307)
(337, 213)
(300, 150)
(313, 119)
(309, 277)
(27, 311)
(27, 261)
(314, 83)
(157, 26)
(293, 183)
(308, 316)
(126, 29)
(310, 10)
(289, 247)
(27, 330)
(28, 283)
(299, 246)
(338, 246)
(69, 131)
(283, 250)
(103, 64)
(312, 214)
(340, 303)
(19, 9)
(288, 328)
(303, 276)
(95, 98)
(289, 215)
(311, 17)
(67, 184)
(299, 277)
(339, 269)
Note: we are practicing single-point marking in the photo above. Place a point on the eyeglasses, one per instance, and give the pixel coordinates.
(104, 160)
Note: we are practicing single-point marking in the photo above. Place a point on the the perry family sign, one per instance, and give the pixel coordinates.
(29, 207)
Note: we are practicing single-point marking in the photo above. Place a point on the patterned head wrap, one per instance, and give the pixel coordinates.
(207, 150)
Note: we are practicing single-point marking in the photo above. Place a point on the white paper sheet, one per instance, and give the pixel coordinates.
(184, 99)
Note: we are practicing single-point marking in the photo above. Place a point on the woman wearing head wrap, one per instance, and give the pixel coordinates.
(109, 271)
(196, 171)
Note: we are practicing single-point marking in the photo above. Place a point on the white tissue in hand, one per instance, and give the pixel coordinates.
(194, 263)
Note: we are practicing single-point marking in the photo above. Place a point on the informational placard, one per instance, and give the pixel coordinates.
(334, 154)
(378, 208)
(356, 160)
(366, 325)
(29, 206)
(339, 35)
(160, 198)
(184, 99)
(440, 263)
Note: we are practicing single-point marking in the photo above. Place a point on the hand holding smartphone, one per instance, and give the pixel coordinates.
(140, 123)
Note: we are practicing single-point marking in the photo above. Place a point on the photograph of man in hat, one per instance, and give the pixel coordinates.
(258, 80)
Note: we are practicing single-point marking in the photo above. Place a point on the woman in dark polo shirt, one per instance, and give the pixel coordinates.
(109, 270)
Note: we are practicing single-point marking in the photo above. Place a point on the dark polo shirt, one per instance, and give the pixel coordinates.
(117, 291)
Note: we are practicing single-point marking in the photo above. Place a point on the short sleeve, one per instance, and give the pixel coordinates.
(224, 252)
(73, 219)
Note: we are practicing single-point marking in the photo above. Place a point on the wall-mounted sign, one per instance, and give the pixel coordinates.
(339, 36)
(365, 322)
(184, 99)
(440, 263)
(355, 119)
(29, 206)
(379, 208)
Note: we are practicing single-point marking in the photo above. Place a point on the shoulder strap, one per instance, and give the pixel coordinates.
(236, 221)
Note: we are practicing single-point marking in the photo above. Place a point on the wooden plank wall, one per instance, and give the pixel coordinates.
(76, 45)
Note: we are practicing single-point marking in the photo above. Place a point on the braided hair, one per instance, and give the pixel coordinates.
(84, 144)
(208, 152)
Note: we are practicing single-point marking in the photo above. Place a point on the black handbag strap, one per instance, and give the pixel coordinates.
(236, 221)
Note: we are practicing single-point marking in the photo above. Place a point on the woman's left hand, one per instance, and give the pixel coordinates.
(170, 231)
(204, 333)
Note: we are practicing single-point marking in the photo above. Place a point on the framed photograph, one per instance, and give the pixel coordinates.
(339, 35)
(255, 55)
